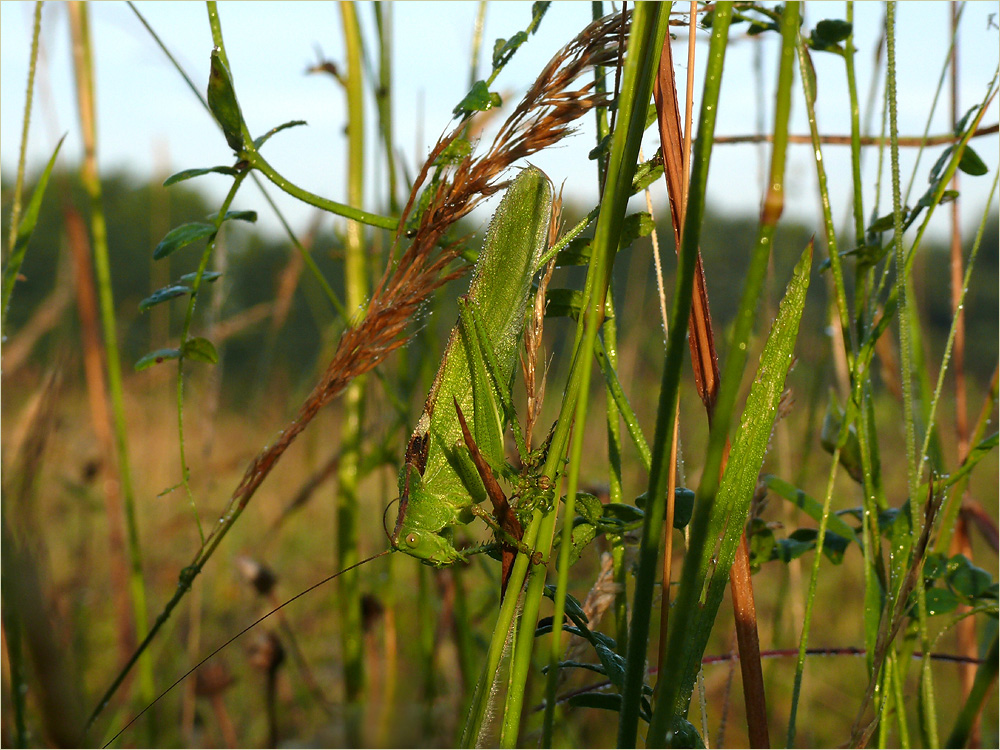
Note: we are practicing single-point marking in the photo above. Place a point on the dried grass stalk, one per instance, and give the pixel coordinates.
(543, 117)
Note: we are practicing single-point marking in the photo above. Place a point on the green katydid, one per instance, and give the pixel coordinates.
(442, 479)
(447, 461)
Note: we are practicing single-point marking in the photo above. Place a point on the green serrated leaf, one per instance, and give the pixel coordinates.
(249, 216)
(223, 104)
(182, 236)
(258, 142)
(187, 174)
(479, 99)
(155, 358)
(164, 294)
(970, 163)
(25, 228)
(200, 350)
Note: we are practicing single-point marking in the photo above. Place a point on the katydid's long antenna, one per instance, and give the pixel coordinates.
(249, 627)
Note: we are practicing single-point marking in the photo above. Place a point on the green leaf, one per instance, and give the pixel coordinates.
(187, 174)
(208, 276)
(223, 104)
(732, 501)
(589, 506)
(250, 216)
(576, 253)
(626, 514)
(258, 142)
(938, 602)
(563, 303)
(453, 153)
(603, 145)
(200, 350)
(164, 294)
(605, 701)
(503, 49)
(647, 173)
(182, 236)
(682, 733)
(935, 566)
(850, 451)
(634, 226)
(970, 163)
(538, 10)
(25, 229)
(683, 505)
(833, 30)
(810, 506)
(762, 544)
(614, 665)
(479, 99)
(966, 579)
(155, 358)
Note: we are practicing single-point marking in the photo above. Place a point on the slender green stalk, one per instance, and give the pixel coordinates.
(929, 724)
(15, 209)
(947, 522)
(383, 96)
(84, 69)
(689, 629)
(253, 157)
(356, 292)
(667, 407)
(953, 330)
(649, 27)
(807, 74)
(986, 676)
(800, 663)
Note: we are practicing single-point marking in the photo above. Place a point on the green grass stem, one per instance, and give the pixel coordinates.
(929, 713)
(667, 412)
(15, 208)
(84, 69)
(348, 475)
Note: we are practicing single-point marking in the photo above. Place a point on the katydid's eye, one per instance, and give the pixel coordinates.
(411, 539)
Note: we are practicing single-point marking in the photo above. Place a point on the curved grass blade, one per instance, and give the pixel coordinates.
(24, 231)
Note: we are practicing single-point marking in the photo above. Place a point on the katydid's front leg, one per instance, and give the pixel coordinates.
(438, 484)
(504, 521)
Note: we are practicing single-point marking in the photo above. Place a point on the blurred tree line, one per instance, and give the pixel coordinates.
(140, 213)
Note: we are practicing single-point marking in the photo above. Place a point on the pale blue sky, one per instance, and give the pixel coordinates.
(150, 122)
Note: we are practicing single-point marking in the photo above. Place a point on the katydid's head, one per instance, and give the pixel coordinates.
(428, 546)
(419, 528)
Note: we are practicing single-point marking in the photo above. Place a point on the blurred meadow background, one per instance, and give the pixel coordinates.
(131, 415)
